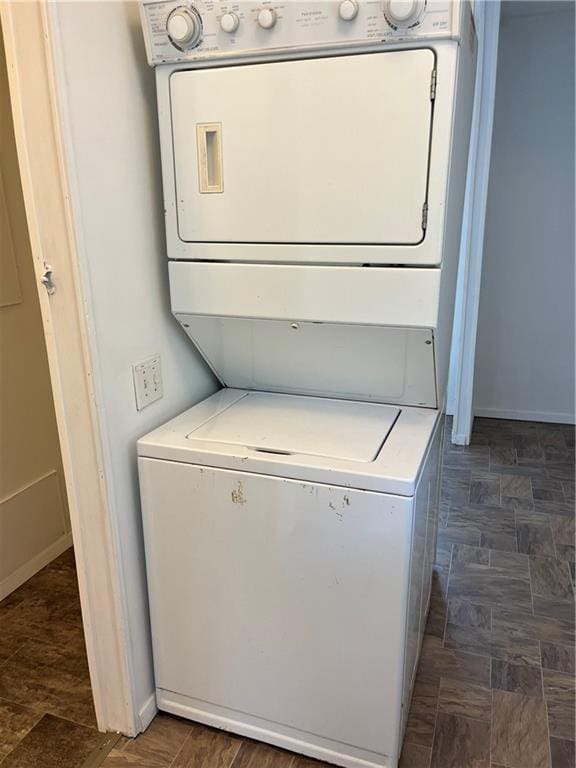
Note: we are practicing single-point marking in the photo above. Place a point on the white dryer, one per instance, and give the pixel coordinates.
(314, 157)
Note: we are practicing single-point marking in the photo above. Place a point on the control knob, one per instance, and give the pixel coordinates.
(348, 10)
(403, 12)
(184, 26)
(267, 18)
(229, 22)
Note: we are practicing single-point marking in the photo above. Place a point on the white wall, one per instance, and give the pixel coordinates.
(525, 352)
(107, 97)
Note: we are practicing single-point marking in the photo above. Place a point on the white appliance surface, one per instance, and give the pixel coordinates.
(289, 611)
(307, 27)
(391, 296)
(356, 362)
(313, 426)
(313, 195)
(354, 171)
(385, 455)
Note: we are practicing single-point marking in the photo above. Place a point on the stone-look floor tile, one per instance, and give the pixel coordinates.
(564, 534)
(460, 742)
(439, 581)
(10, 643)
(559, 694)
(502, 457)
(463, 555)
(50, 678)
(414, 756)
(524, 625)
(516, 486)
(443, 551)
(515, 636)
(54, 743)
(553, 437)
(483, 526)
(472, 457)
(307, 762)
(560, 470)
(455, 485)
(254, 755)
(436, 622)
(564, 509)
(519, 737)
(15, 722)
(443, 510)
(558, 657)
(519, 505)
(556, 453)
(456, 534)
(517, 678)
(562, 751)
(572, 567)
(513, 563)
(553, 608)
(566, 552)
(422, 715)
(468, 627)
(550, 578)
(464, 699)
(544, 489)
(568, 488)
(530, 448)
(41, 616)
(117, 758)
(526, 468)
(485, 489)
(160, 743)
(207, 748)
(535, 539)
(437, 662)
(489, 586)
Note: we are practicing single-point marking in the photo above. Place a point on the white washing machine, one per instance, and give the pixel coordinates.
(314, 161)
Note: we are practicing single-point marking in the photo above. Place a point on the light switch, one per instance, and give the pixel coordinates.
(147, 381)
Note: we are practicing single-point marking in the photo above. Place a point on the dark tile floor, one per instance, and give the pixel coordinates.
(495, 685)
(46, 712)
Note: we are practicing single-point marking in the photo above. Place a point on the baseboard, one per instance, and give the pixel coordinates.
(548, 416)
(147, 713)
(35, 564)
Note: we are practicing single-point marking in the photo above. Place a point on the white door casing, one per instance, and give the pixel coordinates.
(29, 57)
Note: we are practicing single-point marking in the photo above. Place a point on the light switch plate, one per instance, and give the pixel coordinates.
(147, 381)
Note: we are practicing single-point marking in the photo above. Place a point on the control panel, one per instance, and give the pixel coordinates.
(208, 30)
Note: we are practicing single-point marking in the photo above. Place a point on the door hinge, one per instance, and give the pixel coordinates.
(46, 280)
(433, 86)
(424, 215)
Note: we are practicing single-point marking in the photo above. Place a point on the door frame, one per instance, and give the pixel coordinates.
(30, 64)
(467, 303)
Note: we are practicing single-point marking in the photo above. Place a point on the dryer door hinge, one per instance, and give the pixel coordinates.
(433, 86)
(424, 215)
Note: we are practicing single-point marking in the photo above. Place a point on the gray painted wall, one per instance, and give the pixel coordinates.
(525, 352)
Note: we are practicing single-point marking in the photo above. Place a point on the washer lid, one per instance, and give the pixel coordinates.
(289, 424)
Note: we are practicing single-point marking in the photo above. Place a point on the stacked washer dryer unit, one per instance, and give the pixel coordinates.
(314, 158)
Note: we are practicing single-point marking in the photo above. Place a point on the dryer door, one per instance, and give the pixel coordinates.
(332, 150)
